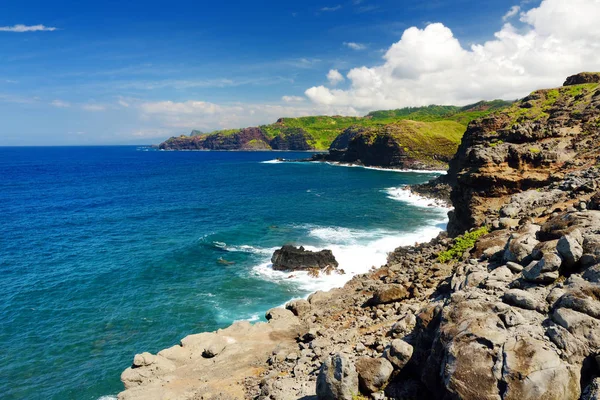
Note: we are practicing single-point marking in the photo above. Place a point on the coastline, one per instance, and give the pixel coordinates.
(241, 332)
(356, 165)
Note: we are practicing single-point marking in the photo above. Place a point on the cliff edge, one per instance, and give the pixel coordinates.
(509, 309)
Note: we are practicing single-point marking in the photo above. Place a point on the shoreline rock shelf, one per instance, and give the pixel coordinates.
(516, 316)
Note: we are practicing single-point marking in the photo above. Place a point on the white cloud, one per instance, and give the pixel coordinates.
(293, 99)
(334, 77)
(27, 28)
(334, 8)
(178, 117)
(60, 103)
(93, 107)
(429, 66)
(355, 46)
(122, 102)
(514, 10)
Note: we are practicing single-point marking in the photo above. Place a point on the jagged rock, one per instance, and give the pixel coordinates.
(398, 353)
(523, 299)
(543, 271)
(143, 360)
(542, 248)
(405, 325)
(278, 313)
(521, 244)
(213, 349)
(299, 307)
(514, 267)
(569, 247)
(532, 371)
(582, 77)
(471, 339)
(145, 367)
(592, 391)
(582, 296)
(592, 274)
(488, 246)
(338, 379)
(373, 373)
(389, 294)
(290, 258)
(580, 325)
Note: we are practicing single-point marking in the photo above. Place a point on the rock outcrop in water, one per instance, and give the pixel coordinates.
(509, 311)
(290, 258)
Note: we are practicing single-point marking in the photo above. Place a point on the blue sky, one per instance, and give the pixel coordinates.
(76, 72)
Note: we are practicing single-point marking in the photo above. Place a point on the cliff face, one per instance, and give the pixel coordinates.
(530, 145)
(244, 139)
(318, 132)
(405, 144)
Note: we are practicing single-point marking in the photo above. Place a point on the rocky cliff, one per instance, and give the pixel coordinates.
(528, 146)
(509, 310)
(404, 144)
(318, 132)
(243, 139)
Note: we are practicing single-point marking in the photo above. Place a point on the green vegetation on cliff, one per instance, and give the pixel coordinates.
(318, 132)
(462, 244)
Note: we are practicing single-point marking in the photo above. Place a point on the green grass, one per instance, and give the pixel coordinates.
(324, 129)
(462, 244)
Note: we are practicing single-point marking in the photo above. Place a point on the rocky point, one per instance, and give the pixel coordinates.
(505, 307)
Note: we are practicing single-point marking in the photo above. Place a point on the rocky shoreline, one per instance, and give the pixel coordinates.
(507, 307)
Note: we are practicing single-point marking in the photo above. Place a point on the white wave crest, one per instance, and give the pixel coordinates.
(356, 252)
(404, 194)
(271, 162)
(250, 249)
(107, 398)
(415, 171)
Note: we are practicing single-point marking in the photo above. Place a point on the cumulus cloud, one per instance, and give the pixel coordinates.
(334, 77)
(27, 28)
(514, 10)
(355, 46)
(206, 116)
(293, 99)
(430, 66)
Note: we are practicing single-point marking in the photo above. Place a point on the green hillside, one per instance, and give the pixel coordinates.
(320, 131)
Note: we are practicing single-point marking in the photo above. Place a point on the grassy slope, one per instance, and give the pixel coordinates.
(325, 129)
(541, 101)
(423, 141)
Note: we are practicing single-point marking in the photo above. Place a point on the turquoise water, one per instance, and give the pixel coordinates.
(110, 251)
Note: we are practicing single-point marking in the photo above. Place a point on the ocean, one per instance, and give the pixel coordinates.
(106, 252)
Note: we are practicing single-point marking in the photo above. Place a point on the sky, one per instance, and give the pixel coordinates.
(138, 72)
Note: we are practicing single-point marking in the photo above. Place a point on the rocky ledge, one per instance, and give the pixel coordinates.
(509, 309)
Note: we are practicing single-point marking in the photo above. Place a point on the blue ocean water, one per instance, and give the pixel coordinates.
(110, 251)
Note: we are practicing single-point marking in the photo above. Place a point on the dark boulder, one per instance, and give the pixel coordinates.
(290, 258)
(581, 78)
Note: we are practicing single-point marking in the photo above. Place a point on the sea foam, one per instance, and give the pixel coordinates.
(358, 251)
